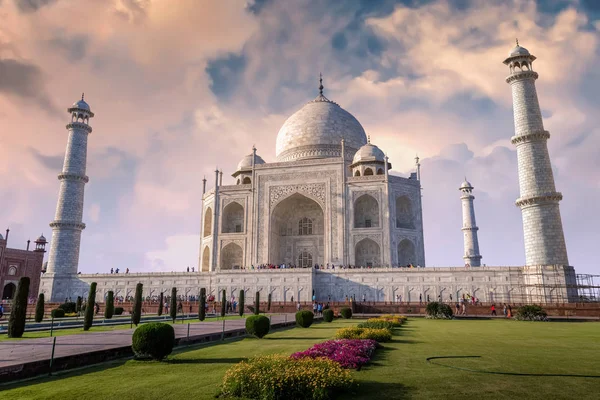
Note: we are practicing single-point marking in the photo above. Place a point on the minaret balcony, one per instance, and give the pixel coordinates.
(67, 225)
(72, 177)
(520, 75)
(79, 125)
(547, 198)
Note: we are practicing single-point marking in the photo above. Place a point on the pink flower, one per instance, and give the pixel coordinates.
(349, 353)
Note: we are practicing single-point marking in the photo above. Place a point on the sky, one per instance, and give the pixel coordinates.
(181, 87)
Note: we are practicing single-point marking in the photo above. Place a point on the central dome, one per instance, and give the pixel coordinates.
(316, 131)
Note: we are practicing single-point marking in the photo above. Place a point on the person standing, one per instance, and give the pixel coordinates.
(457, 306)
(509, 315)
(494, 309)
(505, 310)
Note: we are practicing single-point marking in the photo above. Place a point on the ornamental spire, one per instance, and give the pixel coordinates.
(321, 84)
(82, 94)
(517, 40)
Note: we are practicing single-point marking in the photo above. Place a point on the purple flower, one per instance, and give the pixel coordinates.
(349, 353)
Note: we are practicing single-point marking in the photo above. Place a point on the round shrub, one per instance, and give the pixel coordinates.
(69, 307)
(346, 313)
(258, 325)
(118, 310)
(154, 340)
(435, 310)
(304, 318)
(328, 315)
(531, 312)
(57, 313)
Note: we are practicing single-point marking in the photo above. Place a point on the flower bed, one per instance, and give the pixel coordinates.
(349, 353)
(380, 335)
(283, 377)
(397, 320)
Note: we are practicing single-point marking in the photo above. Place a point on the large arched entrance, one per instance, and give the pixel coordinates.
(232, 257)
(297, 231)
(205, 259)
(406, 253)
(367, 253)
(9, 291)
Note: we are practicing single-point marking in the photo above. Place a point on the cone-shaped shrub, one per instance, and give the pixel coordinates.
(173, 310)
(202, 305)
(18, 312)
(257, 303)
(39, 308)
(109, 308)
(88, 318)
(258, 325)
(57, 313)
(269, 302)
(346, 313)
(223, 304)
(153, 340)
(137, 304)
(78, 304)
(328, 315)
(161, 299)
(241, 305)
(304, 318)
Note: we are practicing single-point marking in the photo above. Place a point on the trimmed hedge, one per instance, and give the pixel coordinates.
(39, 308)
(380, 335)
(57, 313)
(109, 309)
(304, 318)
(154, 340)
(257, 303)
(223, 303)
(119, 310)
(69, 307)
(531, 312)
(258, 325)
(241, 304)
(435, 310)
(376, 324)
(328, 315)
(173, 305)
(346, 313)
(88, 318)
(202, 305)
(137, 304)
(18, 312)
(269, 302)
(161, 300)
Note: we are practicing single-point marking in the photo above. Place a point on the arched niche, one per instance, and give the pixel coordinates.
(207, 222)
(404, 213)
(367, 253)
(206, 259)
(233, 218)
(231, 257)
(406, 253)
(366, 212)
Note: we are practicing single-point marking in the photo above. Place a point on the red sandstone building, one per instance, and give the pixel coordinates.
(17, 263)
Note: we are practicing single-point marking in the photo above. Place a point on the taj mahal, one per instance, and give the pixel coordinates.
(329, 218)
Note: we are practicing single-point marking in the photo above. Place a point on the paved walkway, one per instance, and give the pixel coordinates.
(18, 352)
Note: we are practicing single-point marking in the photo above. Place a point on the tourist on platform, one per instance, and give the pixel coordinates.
(420, 298)
(127, 271)
(364, 297)
(117, 270)
(111, 270)
(1, 310)
(180, 307)
(509, 315)
(315, 308)
(298, 306)
(494, 309)
(457, 306)
(505, 310)
(464, 308)
(292, 300)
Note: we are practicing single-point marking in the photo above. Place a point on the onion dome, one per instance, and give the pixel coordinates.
(518, 51)
(246, 162)
(369, 153)
(466, 185)
(41, 239)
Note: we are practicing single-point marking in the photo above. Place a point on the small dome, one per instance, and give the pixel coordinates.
(518, 51)
(82, 105)
(41, 239)
(369, 152)
(1, 237)
(466, 185)
(246, 162)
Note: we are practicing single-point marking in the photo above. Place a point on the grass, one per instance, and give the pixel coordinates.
(398, 371)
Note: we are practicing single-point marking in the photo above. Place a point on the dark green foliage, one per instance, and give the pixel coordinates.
(88, 318)
(346, 313)
(57, 313)
(154, 340)
(377, 325)
(531, 312)
(257, 303)
(304, 318)
(328, 315)
(18, 312)
(202, 305)
(137, 304)
(173, 307)
(118, 310)
(78, 304)
(269, 302)
(258, 325)
(109, 308)
(39, 308)
(435, 310)
(69, 307)
(241, 305)
(161, 299)
(223, 303)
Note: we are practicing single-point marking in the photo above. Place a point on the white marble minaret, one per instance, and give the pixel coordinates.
(542, 225)
(469, 228)
(67, 225)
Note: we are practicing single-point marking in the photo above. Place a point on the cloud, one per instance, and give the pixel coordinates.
(25, 81)
(29, 6)
(74, 47)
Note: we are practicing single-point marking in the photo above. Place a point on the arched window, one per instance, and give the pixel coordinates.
(207, 222)
(233, 218)
(205, 259)
(368, 171)
(9, 291)
(367, 253)
(305, 226)
(305, 259)
(380, 171)
(12, 270)
(238, 181)
(357, 173)
(246, 181)
(366, 212)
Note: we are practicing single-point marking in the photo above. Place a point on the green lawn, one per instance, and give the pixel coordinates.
(398, 371)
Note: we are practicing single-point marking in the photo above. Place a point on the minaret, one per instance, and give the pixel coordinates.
(471, 256)
(63, 259)
(542, 225)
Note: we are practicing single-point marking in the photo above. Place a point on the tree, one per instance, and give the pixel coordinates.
(89, 308)
(137, 304)
(18, 312)
(257, 303)
(78, 304)
(173, 310)
(39, 308)
(202, 305)
(109, 309)
(224, 303)
(269, 302)
(161, 299)
(241, 305)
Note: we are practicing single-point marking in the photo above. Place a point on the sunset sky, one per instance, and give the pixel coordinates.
(180, 87)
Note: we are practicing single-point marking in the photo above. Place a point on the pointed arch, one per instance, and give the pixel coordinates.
(207, 222)
(380, 171)
(406, 252)
(206, 259)
(233, 218)
(9, 291)
(366, 212)
(368, 172)
(367, 253)
(247, 181)
(357, 172)
(404, 213)
(231, 256)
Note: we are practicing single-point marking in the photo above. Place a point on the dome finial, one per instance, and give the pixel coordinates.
(82, 94)
(517, 40)
(321, 84)
(369, 139)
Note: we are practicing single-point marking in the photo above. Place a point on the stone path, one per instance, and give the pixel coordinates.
(18, 352)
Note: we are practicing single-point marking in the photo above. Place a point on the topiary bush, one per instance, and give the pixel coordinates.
(154, 340)
(57, 313)
(109, 309)
(257, 303)
(435, 310)
(258, 325)
(69, 307)
(161, 299)
(304, 318)
(269, 302)
(202, 305)
(88, 318)
(531, 312)
(328, 315)
(78, 304)
(119, 310)
(223, 303)
(173, 305)
(39, 308)
(346, 313)
(137, 304)
(241, 304)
